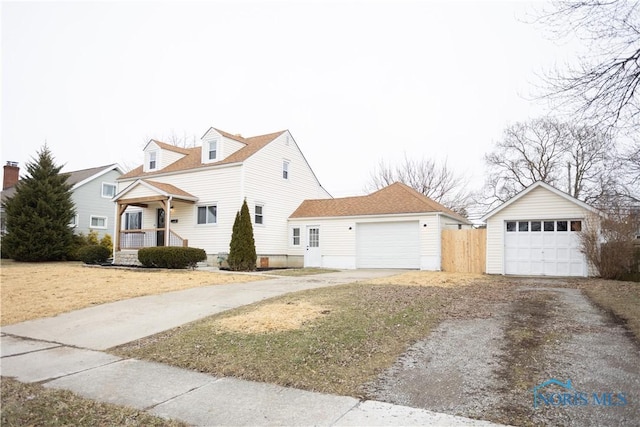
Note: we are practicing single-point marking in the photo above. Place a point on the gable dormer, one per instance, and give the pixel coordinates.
(218, 145)
(158, 155)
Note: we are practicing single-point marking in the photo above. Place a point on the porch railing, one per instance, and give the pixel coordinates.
(137, 239)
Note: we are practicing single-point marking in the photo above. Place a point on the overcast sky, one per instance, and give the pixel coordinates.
(353, 81)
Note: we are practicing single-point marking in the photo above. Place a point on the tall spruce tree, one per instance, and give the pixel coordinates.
(39, 213)
(242, 249)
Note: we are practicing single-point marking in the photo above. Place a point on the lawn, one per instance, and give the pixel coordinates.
(35, 405)
(34, 290)
(337, 339)
(331, 340)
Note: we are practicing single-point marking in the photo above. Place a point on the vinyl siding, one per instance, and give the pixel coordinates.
(263, 184)
(88, 201)
(338, 243)
(215, 186)
(540, 203)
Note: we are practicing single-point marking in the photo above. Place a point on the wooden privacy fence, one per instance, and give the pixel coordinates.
(464, 251)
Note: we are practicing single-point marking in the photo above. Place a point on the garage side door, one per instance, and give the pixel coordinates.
(544, 248)
(388, 245)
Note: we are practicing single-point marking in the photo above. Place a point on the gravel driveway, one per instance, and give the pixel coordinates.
(488, 367)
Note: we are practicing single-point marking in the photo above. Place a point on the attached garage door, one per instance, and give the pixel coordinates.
(388, 245)
(544, 248)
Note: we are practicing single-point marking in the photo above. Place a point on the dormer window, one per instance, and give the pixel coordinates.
(213, 149)
(153, 160)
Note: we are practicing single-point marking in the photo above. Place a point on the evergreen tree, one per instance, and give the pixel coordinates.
(39, 213)
(242, 251)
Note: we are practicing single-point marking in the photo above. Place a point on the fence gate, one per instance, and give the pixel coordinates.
(464, 251)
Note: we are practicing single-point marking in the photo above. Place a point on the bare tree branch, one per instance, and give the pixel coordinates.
(436, 181)
(577, 159)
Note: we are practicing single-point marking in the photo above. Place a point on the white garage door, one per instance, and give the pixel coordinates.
(545, 248)
(388, 245)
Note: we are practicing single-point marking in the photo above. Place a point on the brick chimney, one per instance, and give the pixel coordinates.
(11, 175)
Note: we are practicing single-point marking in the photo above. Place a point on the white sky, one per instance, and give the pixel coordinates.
(353, 81)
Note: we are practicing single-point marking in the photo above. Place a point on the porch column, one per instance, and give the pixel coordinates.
(119, 211)
(166, 203)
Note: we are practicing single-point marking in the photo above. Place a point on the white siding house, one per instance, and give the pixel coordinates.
(536, 233)
(191, 196)
(395, 227)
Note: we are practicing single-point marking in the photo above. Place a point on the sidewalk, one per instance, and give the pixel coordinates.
(62, 352)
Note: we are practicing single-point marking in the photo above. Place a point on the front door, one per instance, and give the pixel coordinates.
(160, 224)
(312, 256)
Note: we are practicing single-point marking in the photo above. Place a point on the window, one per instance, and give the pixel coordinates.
(285, 169)
(108, 190)
(523, 226)
(208, 214)
(561, 226)
(98, 222)
(213, 149)
(576, 225)
(259, 217)
(536, 226)
(296, 236)
(314, 237)
(133, 221)
(549, 226)
(74, 221)
(511, 226)
(153, 158)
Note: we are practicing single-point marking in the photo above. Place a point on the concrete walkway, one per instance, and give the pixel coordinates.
(63, 352)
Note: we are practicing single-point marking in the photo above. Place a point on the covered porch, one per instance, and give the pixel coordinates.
(161, 199)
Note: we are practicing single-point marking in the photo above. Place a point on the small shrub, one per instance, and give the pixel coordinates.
(106, 242)
(93, 254)
(79, 241)
(171, 257)
(92, 238)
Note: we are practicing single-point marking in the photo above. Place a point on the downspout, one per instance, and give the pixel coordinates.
(439, 240)
(167, 239)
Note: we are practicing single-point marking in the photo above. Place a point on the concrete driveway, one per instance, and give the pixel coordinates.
(108, 325)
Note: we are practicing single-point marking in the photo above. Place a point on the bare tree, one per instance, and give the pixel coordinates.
(576, 159)
(183, 141)
(602, 87)
(528, 152)
(434, 180)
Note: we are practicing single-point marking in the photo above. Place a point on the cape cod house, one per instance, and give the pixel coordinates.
(190, 196)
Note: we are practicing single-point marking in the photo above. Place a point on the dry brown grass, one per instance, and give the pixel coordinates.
(33, 290)
(434, 278)
(273, 318)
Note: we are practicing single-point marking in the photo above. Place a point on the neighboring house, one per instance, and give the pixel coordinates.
(190, 196)
(92, 192)
(395, 227)
(536, 233)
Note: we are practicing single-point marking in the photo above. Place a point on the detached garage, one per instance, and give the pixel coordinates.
(395, 227)
(536, 233)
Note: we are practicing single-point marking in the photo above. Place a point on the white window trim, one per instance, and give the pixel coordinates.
(148, 160)
(291, 242)
(115, 190)
(286, 167)
(262, 224)
(98, 227)
(75, 221)
(217, 150)
(205, 205)
(130, 212)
